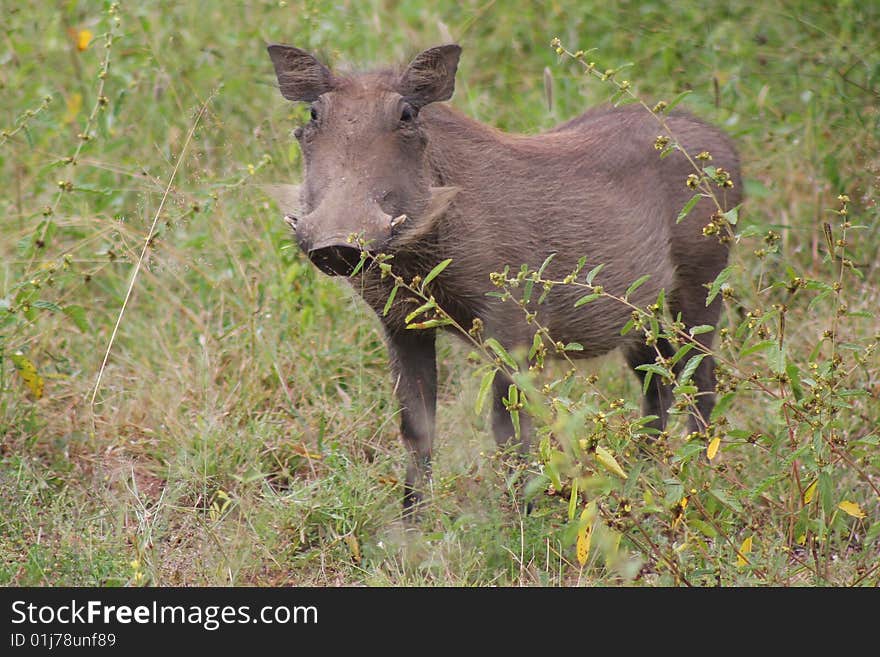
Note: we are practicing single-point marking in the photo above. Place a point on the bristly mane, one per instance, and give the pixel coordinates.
(383, 79)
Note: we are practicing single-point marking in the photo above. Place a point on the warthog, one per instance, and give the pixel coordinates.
(385, 159)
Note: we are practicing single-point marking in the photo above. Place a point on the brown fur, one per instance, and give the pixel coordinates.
(594, 186)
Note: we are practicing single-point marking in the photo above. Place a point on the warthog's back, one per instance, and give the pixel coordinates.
(593, 187)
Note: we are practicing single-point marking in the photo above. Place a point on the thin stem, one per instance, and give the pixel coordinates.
(146, 246)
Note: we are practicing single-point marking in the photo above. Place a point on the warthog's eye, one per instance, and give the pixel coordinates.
(313, 113)
(408, 113)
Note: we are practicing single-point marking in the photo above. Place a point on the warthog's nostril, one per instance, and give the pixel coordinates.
(336, 260)
(398, 220)
(290, 220)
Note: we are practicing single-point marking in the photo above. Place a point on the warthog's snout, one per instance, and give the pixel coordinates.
(334, 238)
(335, 259)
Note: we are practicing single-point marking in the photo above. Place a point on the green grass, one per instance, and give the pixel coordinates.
(244, 431)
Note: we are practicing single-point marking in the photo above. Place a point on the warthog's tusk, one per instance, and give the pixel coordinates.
(290, 220)
(398, 220)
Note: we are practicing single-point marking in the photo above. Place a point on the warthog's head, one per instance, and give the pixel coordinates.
(366, 182)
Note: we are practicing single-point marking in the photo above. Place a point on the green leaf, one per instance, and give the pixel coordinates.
(636, 285)
(760, 346)
(794, 377)
(690, 367)
(704, 527)
(527, 289)
(818, 285)
(47, 305)
(573, 499)
(641, 425)
(633, 482)
(818, 299)
(862, 314)
(688, 451)
(552, 471)
(103, 191)
(390, 301)
(573, 346)
(685, 211)
(732, 215)
(78, 315)
(726, 499)
(661, 298)
(826, 492)
(723, 404)
(359, 265)
(593, 272)
(586, 299)
(675, 101)
(545, 263)
(776, 358)
(702, 328)
(512, 400)
(501, 352)
(674, 491)
(536, 344)
(715, 288)
(431, 323)
(681, 353)
(650, 369)
(435, 272)
(616, 98)
(627, 327)
(485, 387)
(653, 367)
(428, 305)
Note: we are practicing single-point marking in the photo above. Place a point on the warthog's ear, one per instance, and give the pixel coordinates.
(430, 77)
(300, 75)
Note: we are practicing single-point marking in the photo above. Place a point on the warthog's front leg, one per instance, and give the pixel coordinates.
(414, 366)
